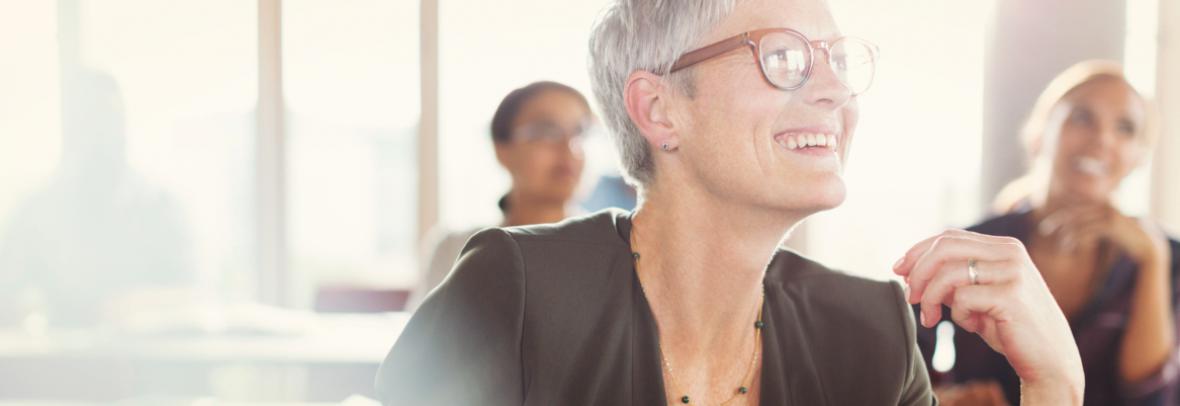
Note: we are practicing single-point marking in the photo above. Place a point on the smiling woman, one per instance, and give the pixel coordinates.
(1113, 274)
(688, 299)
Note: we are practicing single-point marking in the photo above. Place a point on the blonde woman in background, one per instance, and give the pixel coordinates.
(1113, 275)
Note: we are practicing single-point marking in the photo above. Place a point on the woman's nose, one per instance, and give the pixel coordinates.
(824, 86)
(1107, 137)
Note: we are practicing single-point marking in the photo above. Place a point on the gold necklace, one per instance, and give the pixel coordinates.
(747, 378)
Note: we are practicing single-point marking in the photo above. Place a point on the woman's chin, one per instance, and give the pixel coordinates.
(815, 198)
(1090, 192)
(830, 200)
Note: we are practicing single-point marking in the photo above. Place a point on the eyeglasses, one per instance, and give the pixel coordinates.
(548, 132)
(787, 57)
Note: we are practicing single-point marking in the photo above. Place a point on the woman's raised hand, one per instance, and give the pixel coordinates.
(993, 289)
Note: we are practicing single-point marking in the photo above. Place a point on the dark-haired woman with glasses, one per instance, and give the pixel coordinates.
(537, 132)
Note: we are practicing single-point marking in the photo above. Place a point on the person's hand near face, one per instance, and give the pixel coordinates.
(1085, 224)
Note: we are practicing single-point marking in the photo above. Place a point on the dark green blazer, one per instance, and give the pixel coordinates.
(554, 315)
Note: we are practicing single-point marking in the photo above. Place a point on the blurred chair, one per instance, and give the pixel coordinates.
(349, 299)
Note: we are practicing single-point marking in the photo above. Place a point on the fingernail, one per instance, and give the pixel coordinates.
(898, 263)
(923, 317)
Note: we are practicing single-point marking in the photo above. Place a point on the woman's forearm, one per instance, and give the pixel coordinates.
(1151, 332)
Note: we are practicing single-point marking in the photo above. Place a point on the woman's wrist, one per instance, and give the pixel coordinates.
(1058, 390)
(1155, 263)
(1063, 384)
(1154, 252)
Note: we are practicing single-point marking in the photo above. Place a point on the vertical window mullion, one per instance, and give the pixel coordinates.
(428, 165)
(274, 278)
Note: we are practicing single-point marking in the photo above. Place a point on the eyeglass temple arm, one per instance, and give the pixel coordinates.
(712, 50)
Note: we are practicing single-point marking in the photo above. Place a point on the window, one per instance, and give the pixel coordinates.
(127, 149)
(351, 83)
(1139, 61)
(914, 167)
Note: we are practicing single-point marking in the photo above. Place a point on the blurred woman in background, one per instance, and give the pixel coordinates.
(537, 131)
(1112, 274)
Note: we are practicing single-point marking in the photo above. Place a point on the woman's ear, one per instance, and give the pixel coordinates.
(645, 98)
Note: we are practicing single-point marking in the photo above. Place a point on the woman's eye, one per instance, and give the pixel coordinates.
(1127, 128)
(1080, 117)
(778, 56)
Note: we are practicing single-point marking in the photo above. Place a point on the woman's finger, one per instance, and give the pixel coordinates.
(1079, 234)
(1082, 229)
(965, 319)
(984, 299)
(954, 248)
(904, 265)
(1052, 223)
(988, 307)
(955, 274)
(1057, 223)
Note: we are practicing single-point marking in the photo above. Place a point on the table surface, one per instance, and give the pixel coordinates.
(303, 338)
(351, 401)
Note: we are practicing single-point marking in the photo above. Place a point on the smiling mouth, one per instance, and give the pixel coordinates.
(808, 141)
(1090, 166)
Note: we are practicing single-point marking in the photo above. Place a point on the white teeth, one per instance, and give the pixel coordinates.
(806, 140)
(1090, 166)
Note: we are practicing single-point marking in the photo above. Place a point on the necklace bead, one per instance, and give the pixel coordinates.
(758, 324)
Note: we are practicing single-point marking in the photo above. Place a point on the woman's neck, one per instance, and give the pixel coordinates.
(523, 210)
(702, 261)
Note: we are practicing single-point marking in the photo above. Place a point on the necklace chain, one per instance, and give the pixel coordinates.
(744, 385)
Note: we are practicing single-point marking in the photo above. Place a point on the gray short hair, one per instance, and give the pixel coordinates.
(648, 35)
